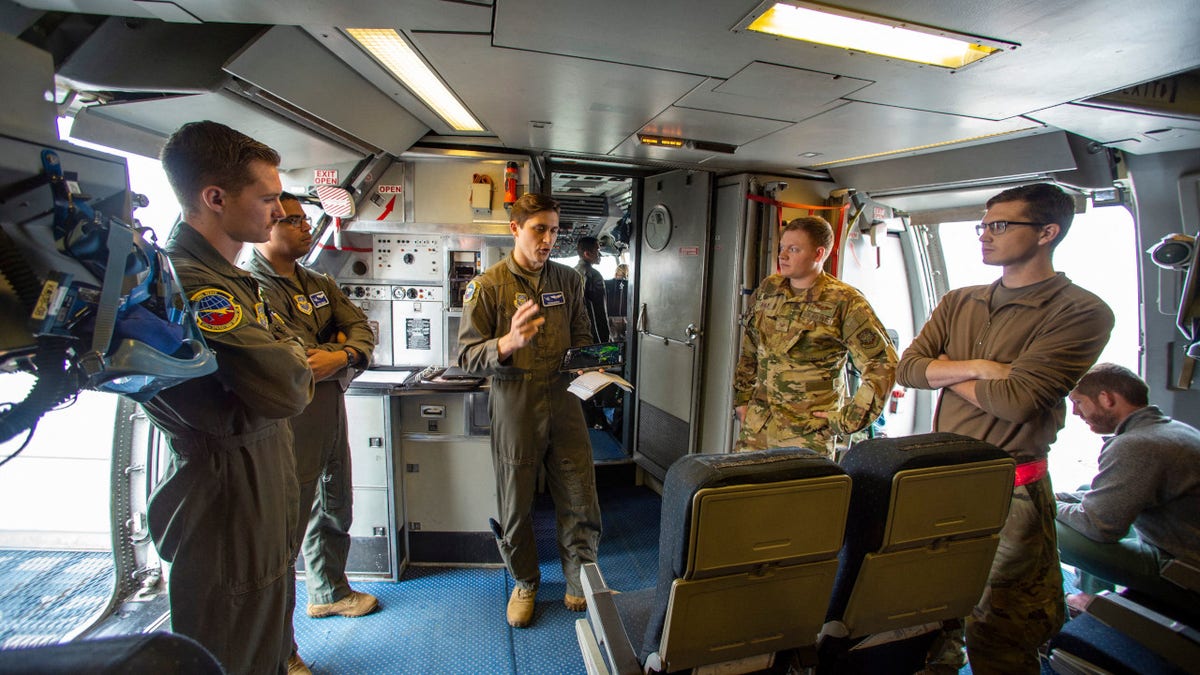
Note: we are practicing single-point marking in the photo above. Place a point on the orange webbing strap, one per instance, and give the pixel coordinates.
(837, 224)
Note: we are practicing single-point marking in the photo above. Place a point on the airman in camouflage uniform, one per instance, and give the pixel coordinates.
(789, 387)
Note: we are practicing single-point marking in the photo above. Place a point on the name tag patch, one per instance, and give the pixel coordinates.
(552, 299)
(319, 299)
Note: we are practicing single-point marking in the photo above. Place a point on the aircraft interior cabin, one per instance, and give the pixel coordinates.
(325, 328)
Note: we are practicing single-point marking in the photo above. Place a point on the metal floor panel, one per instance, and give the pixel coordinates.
(46, 595)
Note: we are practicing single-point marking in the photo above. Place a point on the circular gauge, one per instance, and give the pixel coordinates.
(658, 227)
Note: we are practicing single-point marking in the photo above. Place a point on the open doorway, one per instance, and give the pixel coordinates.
(600, 207)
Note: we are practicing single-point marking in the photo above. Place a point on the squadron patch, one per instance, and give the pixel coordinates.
(319, 299)
(216, 312)
(469, 294)
(869, 340)
(552, 299)
(302, 303)
(520, 300)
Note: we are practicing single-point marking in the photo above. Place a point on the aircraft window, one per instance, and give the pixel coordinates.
(146, 177)
(1100, 254)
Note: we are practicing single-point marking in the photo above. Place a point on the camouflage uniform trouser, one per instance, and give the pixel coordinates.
(819, 442)
(1022, 605)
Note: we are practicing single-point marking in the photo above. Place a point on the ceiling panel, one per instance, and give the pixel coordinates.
(1138, 133)
(592, 106)
(774, 92)
(315, 81)
(474, 16)
(861, 128)
(298, 147)
(1069, 50)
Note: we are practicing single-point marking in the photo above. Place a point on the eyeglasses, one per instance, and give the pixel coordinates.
(999, 226)
(297, 222)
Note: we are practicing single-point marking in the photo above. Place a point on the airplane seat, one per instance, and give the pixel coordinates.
(925, 518)
(1117, 634)
(140, 653)
(747, 556)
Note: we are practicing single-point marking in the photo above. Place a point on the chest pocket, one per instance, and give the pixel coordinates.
(803, 330)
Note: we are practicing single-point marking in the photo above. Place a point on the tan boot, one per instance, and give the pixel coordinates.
(296, 665)
(520, 607)
(355, 604)
(575, 603)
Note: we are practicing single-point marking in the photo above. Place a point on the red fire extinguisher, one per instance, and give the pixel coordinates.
(510, 184)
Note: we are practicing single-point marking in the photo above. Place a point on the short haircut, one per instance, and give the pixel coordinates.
(1114, 379)
(1044, 203)
(530, 204)
(206, 153)
(288, 197)
(587, 244)
(819, 231)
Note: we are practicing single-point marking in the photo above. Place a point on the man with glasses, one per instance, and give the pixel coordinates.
(338, 339)
(1005, 355)
(789, 388)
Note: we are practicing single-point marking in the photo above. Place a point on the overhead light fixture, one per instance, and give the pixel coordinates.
(664, 141)
(860, 32)
(689, 143)
(395, 54)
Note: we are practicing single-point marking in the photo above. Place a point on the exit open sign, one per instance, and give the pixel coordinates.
(325, 177)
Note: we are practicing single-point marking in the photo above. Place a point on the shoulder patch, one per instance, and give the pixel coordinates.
(260, 313)
(472, 289)
(216, 312)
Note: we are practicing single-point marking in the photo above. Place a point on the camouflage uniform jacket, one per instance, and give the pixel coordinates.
(794, 355)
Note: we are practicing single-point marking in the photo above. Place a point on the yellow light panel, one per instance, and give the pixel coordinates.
(391, 50)
(873, 37)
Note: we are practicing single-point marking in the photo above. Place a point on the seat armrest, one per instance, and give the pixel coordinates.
(606, 626)
(593, 659)
(1182, 574)
(1174, 641)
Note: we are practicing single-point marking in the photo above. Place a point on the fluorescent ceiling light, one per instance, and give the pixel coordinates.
(391, 50)
(872, 35)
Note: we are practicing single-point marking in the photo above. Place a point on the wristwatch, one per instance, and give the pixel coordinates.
(351, 356)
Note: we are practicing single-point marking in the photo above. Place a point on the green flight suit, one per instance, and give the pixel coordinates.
(793, 362)
(314, 308)
(225, 511)
(535, 420)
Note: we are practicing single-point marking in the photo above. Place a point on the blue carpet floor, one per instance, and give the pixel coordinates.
(451, 620)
